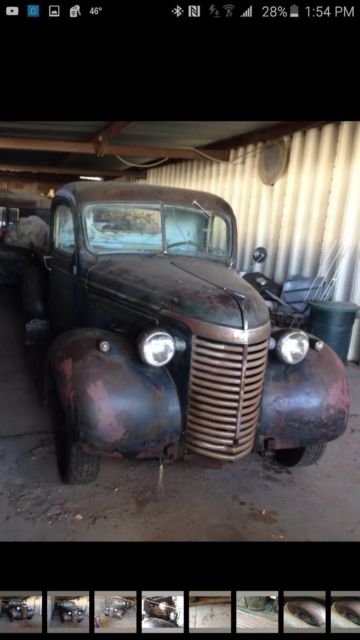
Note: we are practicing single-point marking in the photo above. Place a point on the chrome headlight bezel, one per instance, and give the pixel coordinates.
(283, 344)
(149, 338)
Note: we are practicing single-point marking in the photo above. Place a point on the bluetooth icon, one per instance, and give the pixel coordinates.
(177, 11)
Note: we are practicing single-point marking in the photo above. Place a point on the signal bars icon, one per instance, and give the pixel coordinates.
(248, 13)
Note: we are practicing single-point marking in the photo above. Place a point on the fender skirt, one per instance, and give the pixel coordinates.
(306, 403)
(115, 404)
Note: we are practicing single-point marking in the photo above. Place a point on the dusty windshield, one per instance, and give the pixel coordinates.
(130, 228)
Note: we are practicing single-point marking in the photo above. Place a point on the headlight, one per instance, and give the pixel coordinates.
(292, 347)
(156, 348)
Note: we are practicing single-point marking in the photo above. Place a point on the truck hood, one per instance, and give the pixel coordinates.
(194, 287)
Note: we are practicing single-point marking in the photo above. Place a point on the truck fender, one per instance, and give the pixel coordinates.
(114, 403)
(306, 403)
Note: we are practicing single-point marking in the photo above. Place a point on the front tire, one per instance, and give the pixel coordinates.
(75, 466)
(300, 456)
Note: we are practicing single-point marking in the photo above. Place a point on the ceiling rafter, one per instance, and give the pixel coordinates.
(92, 148)
(104, 173)
(102, 136)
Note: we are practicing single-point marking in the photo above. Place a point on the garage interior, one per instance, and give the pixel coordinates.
(310, 209)
(29, 599)
(112, 624)
(54, 621)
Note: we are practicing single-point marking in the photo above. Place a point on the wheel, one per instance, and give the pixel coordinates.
(78, 467)
(300, 456)
(75, 466)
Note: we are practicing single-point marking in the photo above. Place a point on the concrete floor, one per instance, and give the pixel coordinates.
(211, 617)
(251, 500)
(20, 626)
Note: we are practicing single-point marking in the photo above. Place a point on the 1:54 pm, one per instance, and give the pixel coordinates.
(321, 11)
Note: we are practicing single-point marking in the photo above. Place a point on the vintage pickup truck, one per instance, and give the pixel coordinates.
(160, 348)
(117, 607)
(18, 609)
(70, 612)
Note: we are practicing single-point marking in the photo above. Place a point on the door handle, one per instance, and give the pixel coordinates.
(45, 261)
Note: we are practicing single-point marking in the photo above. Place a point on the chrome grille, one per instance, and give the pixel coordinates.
(225, 393)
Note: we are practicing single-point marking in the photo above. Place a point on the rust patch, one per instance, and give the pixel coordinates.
(153, 452)
(67, 391)
(106, 419)
(92, 451)
(339, 395)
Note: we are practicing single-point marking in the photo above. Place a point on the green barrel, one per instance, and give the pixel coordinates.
(333, 323)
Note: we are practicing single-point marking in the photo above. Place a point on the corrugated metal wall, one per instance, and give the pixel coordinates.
(305, 218)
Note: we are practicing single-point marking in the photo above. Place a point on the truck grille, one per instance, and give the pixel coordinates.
(225, 394)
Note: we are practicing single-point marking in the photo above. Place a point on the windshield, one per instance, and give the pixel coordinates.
(123, 227)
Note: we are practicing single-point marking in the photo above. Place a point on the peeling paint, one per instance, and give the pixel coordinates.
(65, 368)
(107, 422)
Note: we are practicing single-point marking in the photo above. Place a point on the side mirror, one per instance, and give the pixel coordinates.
(260, 255)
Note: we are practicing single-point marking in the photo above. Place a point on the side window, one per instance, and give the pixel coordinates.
(64, 236)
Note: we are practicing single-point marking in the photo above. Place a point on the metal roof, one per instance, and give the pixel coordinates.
(150, 134)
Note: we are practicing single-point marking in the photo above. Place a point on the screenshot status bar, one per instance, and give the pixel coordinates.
(180, 12)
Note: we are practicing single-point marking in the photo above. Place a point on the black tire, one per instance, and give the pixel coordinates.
(78, 467)
(300, 456)
(75, 466)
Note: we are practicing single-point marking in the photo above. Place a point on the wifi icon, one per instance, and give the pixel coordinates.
(229, 8)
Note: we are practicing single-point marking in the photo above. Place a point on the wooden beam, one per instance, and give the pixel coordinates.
(105, 134)
(91, 148)
(17, 168)
(29, 144)
(267, 134)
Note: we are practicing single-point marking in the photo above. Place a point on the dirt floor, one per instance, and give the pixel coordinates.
(57, 626)
(126, 624)
(250, 500)
(20, 626)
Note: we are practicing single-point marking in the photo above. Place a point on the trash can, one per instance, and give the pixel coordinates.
(333, 323)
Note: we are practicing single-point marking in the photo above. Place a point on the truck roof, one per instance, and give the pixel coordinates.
(111, 191)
